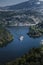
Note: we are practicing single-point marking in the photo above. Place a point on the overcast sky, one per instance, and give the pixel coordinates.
(10, 2)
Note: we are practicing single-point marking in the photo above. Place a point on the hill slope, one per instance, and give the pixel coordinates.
(31, 4)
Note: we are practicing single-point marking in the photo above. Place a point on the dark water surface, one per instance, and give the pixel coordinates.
(17, 48)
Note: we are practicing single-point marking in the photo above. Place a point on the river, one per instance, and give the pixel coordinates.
(17, 48)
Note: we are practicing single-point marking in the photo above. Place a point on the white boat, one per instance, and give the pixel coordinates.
(21, 38)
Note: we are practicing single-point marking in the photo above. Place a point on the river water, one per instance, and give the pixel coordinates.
(17, 48)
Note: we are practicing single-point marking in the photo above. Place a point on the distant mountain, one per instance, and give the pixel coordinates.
(31, 4)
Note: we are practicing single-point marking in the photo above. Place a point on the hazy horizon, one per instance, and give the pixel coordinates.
(10, 2)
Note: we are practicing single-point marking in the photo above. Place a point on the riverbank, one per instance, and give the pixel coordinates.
(22, 24)
(5, 37)
(33, 57)
(35, 31)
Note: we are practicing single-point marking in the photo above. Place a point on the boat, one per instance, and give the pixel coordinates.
(21, 38)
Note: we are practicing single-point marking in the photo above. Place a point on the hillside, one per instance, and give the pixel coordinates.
(5, 37)
(22, 14)
(20, 18)
(31, 4)
(33, 57)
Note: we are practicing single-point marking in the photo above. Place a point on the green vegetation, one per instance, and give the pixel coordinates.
(11, 18)
(33, 57)
(5, 37)
(35, 31)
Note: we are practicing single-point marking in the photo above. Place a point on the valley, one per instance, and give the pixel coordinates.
(21, 33)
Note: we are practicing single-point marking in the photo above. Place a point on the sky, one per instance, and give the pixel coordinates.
(11, 2)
